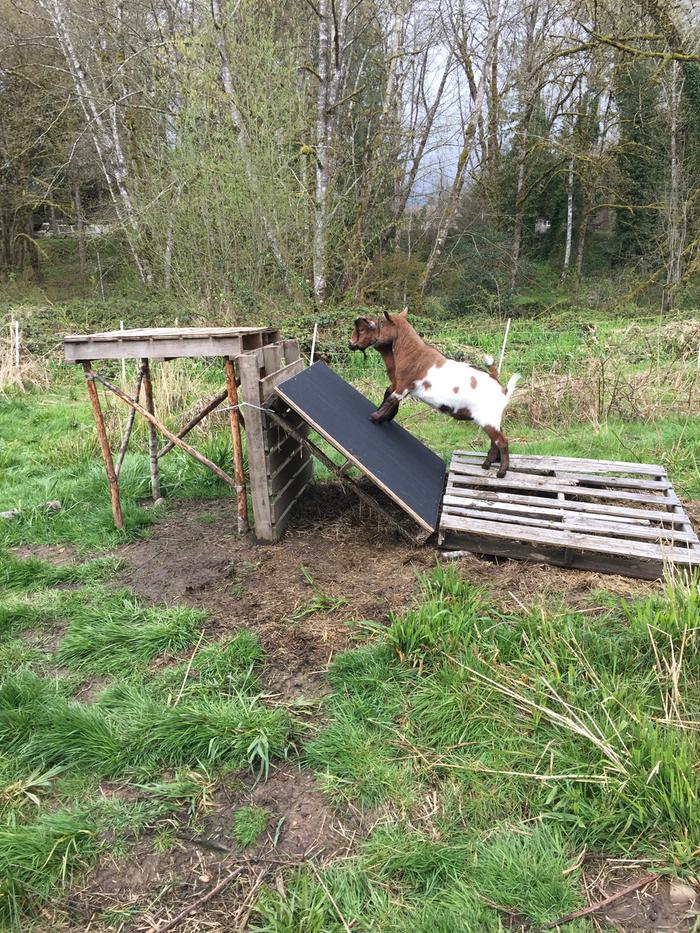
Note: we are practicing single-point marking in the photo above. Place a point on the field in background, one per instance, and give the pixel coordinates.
(489, 751)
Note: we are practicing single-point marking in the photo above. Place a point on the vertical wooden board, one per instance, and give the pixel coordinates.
(291, 351)
(256, 431)
(272, 358)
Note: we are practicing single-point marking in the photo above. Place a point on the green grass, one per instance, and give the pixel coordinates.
(488, 748)
(249, 824)
(30, 573)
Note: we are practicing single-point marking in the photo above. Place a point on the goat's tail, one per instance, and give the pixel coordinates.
(512, 383)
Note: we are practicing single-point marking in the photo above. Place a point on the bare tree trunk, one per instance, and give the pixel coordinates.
(527, 94)
(53, 223)
(244, 139)
(410, 178)
(519, 212)
(493, 117)
(469, 134)
(105, 137)
(78, 207)
(676, 235)
(569, 220)
(581, 234)
(320, 272)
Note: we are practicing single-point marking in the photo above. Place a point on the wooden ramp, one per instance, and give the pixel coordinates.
(603, 515)
(398, 463)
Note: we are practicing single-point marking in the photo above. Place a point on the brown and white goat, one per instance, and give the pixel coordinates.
(465, 392)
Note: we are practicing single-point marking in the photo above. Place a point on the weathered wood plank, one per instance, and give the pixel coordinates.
(268, 383)
(622, 532)
(533, 482)
(256, 440)
(272, 358)
(594, 508)
(561, 557)
(288, 484)
(584, 542)
(291, 351)
(574, 464)
(280, 476)
(280, 453)
(282, 506)
(162, 343)
(568, 479)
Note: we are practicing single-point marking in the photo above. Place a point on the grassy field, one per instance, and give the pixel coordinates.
(496, 752)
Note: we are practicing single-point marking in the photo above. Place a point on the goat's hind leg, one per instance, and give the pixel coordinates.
(498, 451)
(493, 456)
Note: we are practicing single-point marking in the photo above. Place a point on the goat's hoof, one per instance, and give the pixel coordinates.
(376, 418)
(486, 465)
(501, 474)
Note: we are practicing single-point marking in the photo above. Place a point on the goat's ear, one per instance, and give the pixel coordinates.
(403, 313)
(388, 317)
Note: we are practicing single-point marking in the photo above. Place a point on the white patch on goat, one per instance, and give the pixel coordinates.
(485, 403)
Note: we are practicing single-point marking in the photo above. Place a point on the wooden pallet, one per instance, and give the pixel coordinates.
(602, 515)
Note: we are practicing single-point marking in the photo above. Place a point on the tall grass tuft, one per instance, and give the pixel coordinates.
(112, 632)
(31, 573)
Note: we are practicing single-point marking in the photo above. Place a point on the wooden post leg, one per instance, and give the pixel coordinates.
(152, 435)
(234, 419)
(104, 446)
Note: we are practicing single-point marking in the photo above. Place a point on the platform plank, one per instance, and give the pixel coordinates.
(404, 468)
(563, 511)
(166, 343)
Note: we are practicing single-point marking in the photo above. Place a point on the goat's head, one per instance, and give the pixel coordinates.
(364, 333)
(389, 328)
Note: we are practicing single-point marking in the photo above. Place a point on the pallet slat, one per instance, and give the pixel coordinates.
(575, 464)
(552, 485)
(595, 508)
(581, 523)
(570, 539)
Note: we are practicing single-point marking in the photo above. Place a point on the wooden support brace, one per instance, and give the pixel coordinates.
(233, 414)
(104, 444)
(193, 422)
(129, 425)
(152, 436)
(195, 454)
(342, 476)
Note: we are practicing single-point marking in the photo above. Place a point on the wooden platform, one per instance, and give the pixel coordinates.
(603, 515)
(167, 343)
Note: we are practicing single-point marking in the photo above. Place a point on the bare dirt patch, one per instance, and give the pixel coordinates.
(335, 566)
(664, 906)
(58, 554)
(302, 597)
(172, 866)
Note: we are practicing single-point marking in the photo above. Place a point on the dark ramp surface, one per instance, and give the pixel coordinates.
(395, 460)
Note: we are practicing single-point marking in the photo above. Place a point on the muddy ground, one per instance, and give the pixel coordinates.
(305, 598)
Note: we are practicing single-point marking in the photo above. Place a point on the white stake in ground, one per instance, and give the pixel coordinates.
(121, 327)
(313, 343)
(503, 348)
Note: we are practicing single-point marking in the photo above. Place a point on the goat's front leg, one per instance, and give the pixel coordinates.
(497, 451)
(394, 405)
(389, 407)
